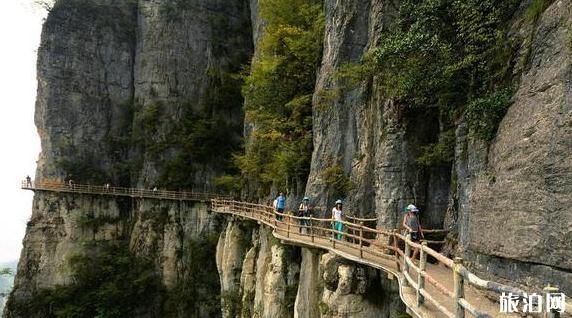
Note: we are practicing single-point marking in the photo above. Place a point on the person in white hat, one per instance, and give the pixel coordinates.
(413, 227)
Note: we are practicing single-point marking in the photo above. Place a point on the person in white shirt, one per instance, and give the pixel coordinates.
(337, 217)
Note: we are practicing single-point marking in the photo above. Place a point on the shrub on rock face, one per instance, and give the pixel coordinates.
(485, 114)
(111, 283)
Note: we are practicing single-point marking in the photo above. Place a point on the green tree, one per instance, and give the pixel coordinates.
(278, 93)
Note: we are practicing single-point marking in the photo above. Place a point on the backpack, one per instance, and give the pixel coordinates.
(281, 202)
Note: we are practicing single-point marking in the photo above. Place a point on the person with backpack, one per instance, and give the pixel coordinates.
(337, 217)
(413, 226)
(304, 211)
(280, 205)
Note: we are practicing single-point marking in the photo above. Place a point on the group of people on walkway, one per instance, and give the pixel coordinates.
(305, 211)
(410, 224)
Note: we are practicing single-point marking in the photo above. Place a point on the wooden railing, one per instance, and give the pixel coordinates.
(370, 244)
(358, 241)
(120, 191)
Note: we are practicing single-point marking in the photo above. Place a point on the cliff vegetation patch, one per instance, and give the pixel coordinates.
(278, 92)
(452, 55)
(111, 283)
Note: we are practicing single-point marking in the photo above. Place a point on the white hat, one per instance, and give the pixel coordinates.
(412, 208)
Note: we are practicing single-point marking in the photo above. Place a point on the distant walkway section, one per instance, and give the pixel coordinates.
(108, 190)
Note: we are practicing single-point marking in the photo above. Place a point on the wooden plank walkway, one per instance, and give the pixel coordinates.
(55, 186)
(444, 289)
(448, 288)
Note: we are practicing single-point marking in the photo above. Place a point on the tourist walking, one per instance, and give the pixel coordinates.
(280, 206)
(304, 212)
(337, 217)
(28, 181)
(413, 226)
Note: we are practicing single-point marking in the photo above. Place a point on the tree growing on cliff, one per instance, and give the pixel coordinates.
(278, 93)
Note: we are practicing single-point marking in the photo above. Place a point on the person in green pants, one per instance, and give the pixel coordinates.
(337, 217)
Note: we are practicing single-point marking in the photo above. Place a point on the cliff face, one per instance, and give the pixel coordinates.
(261, 277)
(129, 93)
(362, 132)
(505, 201)
(514, 211)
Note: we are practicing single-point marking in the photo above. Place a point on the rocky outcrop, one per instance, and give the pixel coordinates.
(515, 204)
(269, 279)
(66, 225)
(259, 278)
(375, 142)
(352, 290)
(523, 173)
(119, 85)
(186, 54)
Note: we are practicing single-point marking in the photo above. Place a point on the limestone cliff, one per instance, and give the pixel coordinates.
(507, 200)
(515, 214)
(129, 93)
(261, 277)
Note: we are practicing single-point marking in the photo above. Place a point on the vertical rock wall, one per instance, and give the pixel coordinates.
(101, 65)
(374, 141)
(515, 211)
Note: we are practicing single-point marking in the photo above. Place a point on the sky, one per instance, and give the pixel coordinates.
(20, 27)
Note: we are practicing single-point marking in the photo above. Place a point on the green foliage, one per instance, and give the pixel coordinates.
(89, 221)
(195, 292)
(111, 283)
(83, 170)
(485, 114)
(439, 153)
(536, 8)
(278, 93)
(444, 54)
(289, 298)
(228, 183)
(324, 308)
(336, 180)
(200, 139)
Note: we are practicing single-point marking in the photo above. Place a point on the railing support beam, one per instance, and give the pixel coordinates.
(360, 240)
(406, 257)
(420, 277)
(459, 286)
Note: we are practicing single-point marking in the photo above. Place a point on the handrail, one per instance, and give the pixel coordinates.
(316, 229)
(58, 186)
(357, 240)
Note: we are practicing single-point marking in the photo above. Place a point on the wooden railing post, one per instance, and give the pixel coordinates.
(360, 239)
(420, 277)
(396, 246)
(459, 287)
(288, 225)
(406, 258)
(311, 229)
(332, 226)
